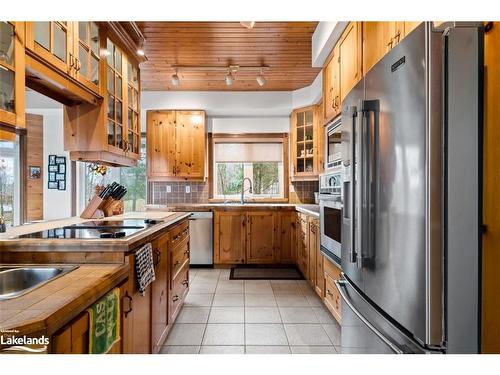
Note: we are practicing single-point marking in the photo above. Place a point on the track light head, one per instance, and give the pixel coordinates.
(248, 24)
(175, 79)
(229, 79)
(261, 80)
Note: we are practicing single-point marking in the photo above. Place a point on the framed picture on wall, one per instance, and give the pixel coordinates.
(60, 159)
(61, 168)
(53, 168)
(52, 176)
(57, 172)
(53, 185)
(61, 185)
(35, 172)
(52, 159)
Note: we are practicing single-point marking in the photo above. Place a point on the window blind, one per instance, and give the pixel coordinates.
(248, 152)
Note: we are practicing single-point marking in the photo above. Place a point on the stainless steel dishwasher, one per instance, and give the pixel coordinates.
(201, 238)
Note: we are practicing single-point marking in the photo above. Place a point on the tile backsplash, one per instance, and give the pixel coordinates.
(304, 191)
(175, 192)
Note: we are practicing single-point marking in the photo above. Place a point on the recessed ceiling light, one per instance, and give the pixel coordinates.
(175, 79)
(140, 52)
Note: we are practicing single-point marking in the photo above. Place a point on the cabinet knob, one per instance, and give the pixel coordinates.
(175, 298)
(129, 310)
(185, 282)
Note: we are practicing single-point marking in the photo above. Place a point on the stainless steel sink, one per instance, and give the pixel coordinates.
(16, 281)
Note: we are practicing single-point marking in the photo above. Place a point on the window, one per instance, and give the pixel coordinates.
(10, 182)
(133, 178)
(260, 159)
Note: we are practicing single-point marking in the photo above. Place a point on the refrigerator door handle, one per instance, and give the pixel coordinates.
(352, 250)
(340, 284)
(369, 152)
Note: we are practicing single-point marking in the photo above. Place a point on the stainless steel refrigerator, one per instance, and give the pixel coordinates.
(411, 150)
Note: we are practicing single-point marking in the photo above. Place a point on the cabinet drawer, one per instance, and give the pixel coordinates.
(332, 298)
(179, 289)
(180, 254)
(178, 234)
(331, 269)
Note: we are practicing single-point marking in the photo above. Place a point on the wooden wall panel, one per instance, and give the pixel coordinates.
(491, 202)
(34, 191)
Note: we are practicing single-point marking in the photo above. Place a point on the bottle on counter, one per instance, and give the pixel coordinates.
(3, 227)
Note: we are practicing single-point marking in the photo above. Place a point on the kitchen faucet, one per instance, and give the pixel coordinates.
(243, 189)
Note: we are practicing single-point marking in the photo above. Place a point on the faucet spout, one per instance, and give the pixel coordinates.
(242, 201)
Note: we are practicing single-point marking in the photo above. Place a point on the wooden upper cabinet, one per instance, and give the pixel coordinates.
(12, 74)
(373, 44)
(331, 86)
(178, 145)
(393, 33)
(261, 237)
(229, 237)
(53, 42)
(160, 136)
(190, 144)
(305, 143)
(350, 51)
(86, 54)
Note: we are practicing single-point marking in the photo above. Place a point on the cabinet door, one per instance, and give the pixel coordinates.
(229, 237)
(302, 245)
(304, 143)
(337, 107)
(350, 58)
(12, 73)
(410, 26)
(328, 95)
(159, 294)
(286, 237)
(393, 33)
(190, 144)
(261, 229)
(312, 251)
(133, 110)
(53, 42)
(373, 44)
(74, 338)
(160, 137)
(319, 269)
(87, 54)
(127, 312)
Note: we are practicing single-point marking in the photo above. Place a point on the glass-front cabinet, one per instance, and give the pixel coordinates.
(12, 73)
(52, 41)
(305, 143)
(133, 124)
(114, 78)
(87, 52)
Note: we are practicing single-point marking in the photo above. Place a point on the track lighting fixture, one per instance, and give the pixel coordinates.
(140, 50)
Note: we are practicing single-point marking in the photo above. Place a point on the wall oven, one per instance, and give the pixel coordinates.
(330, 204)
(333, 155)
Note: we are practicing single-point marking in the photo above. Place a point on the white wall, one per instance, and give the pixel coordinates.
(56, 203)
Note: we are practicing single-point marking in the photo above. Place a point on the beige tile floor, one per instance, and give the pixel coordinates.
(222, 316)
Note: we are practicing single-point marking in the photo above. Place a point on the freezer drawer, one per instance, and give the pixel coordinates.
(365, 330)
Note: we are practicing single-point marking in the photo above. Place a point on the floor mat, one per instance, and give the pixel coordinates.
(264, 273)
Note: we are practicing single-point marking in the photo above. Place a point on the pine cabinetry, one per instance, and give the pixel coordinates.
(229, 237)
(331, 86)
(254, 237)
(305, 145)
(261, 237)
(74, 338)
(350, 54)
(332, 298)
(159, 293)
(177, 142)
(12, 74)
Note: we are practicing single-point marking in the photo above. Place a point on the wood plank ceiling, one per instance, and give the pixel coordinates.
(284, 46)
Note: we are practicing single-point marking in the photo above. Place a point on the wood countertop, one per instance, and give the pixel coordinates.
(9, 242)
(53, 305)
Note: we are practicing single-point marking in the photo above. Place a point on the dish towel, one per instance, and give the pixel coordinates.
(144, 268)
(104, 323)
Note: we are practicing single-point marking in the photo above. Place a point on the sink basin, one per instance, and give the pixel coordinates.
(19, 280)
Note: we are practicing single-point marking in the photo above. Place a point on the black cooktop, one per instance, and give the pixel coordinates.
(95, 229)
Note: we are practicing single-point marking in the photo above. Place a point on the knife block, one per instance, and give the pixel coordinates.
(92, 210)
(112, 207)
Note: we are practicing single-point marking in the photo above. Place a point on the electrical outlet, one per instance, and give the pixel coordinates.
(188, 189)
(169, 189)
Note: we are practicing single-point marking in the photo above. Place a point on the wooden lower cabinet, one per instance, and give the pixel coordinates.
(146, 320)
(159, 293)
(229, 237)
(74, 338)
(287, 237)
(332, 299)
(261, 237)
